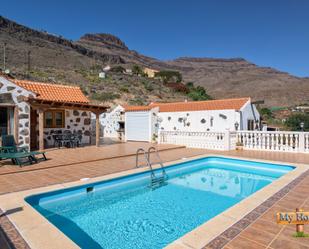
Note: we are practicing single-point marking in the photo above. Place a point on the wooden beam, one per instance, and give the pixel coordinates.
(16, 124)
(97, 129)
(93, 109)
(41, 129)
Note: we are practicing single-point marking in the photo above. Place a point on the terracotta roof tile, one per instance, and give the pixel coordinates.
(220, 104)
(128, 108)
(53, 92)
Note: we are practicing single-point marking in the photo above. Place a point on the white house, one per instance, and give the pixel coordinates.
(142, 123)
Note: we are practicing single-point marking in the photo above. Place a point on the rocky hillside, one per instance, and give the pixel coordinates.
(238, 77)
(54, 58)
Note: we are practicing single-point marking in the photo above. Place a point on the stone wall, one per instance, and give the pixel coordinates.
(9, 92)
(110, 122)
(75, 121)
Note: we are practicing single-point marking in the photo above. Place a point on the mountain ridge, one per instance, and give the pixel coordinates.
(62, 59)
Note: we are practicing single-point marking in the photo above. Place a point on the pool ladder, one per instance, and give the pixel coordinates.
(155, 179)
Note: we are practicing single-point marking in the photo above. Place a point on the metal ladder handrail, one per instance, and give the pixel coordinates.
(154, 179)
(155, 150)
(146, 158)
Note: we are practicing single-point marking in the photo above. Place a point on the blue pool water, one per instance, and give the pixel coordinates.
(126, 213)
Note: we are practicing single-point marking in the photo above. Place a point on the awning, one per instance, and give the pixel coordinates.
(48, 104)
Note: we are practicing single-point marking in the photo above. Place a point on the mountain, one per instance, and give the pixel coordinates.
(54, 58)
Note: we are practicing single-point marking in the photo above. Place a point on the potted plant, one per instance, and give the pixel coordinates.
(154, 138)
(239, 146)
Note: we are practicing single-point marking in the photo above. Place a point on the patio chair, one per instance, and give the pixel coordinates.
(8, 143)
(76, 139)
(18, 158)
(58, 141)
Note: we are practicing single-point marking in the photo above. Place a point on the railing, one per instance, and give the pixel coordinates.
(203, 140)
(274, 140)
(251, 140)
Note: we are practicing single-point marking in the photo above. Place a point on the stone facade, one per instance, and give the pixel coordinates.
(10, 92)
(75, 121)
(110, 122)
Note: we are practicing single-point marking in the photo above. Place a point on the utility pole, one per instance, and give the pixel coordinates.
(4, 56)
(28, 63)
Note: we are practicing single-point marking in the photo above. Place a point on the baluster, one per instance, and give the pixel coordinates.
(272, 141)
(288, 141)
(277, 142)
(249, 140)
(253, 140)
(262, 141)
(268, 141)
(296, 146)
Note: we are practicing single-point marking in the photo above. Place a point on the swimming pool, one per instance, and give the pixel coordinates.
(126, 213)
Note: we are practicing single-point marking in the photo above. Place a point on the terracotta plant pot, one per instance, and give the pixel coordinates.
(239, 147)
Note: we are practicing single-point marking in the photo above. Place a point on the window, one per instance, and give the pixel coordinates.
(250, 124)
(54, 119)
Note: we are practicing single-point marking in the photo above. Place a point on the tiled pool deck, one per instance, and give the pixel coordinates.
(257, 229)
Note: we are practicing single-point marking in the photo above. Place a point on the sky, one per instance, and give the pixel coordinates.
(272, 33)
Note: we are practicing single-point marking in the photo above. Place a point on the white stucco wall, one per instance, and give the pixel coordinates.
(247, 114)
(154, 123)
(221, 120)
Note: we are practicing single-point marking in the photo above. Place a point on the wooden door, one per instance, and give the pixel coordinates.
(33, 130)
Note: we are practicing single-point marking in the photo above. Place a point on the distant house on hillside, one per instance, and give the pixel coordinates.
(107, 68)
(142, 123)
(34, 111)
(150, 72)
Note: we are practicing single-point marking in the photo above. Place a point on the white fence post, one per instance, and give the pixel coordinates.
(301, 142)
(227, 140)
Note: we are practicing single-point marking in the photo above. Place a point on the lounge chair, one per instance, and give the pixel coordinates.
(17, 157)
(9, 146)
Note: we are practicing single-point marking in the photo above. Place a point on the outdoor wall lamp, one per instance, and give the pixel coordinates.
(302, 124)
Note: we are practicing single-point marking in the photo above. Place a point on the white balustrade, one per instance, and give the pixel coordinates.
(284, 141)
(203, 140)
(274, 140)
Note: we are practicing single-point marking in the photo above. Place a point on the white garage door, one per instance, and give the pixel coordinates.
(137, 126)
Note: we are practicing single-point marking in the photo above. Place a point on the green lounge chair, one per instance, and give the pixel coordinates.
(17, 157)
(9, 145)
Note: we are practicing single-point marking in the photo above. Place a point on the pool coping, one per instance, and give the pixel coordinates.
(39, 233)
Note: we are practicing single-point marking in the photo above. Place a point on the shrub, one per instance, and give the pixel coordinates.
(124, 89)
(266, 113)
(198, 93)
(105, 96)
(137, 70)
(169, 76)
(190, 85)
(178, 87)
(148, 86)
(137, 101)
(293, 122)
(118, 69)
